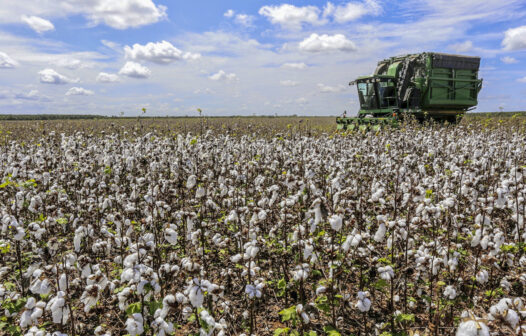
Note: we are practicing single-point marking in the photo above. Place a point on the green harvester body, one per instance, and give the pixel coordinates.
(429, 85)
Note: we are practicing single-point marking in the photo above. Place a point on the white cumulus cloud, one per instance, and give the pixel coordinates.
(38, 24)
(104, 77)
(244, 19)
(293, 17)
(229, 13)
(78, 91)
(330, 89)
(32, 95)
(160, 52)
(223, 76)
(50, 76)
(462, 47)
(508, 60)
(290, 16)
(69, 63)
(118, 14)
(302, 101)
(135, 70)
(6, 61)
(298, 66)
(522, 80)
(352, 10)
(317, 43)
(124, 14)
(288, 82)
(515, 38)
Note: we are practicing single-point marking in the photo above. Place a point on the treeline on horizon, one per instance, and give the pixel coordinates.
(8, 117)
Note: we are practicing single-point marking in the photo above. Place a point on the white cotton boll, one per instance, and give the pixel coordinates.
(34, 331)
(200, 192)
(336, 222)
(191, 181)
(386, 272)
(20, 233)
(449, 202)
(363, 304)
(475, 241)
(170, 234)
(320, 290)
(512, 318)
(181, 298)
(380, 233)
(472, 326)
(134, 324)
(352, 240)
(196, 296)
(482, 277)
(56, 306)
(307, 251)
(301, 272)
(25, 319)
(517, 303)
(254, 291)
(163, 327)
(484, 242)
(31, 302)
(335, 183)
(232, 217)
(90, 297)
(236, 258)
(251, 250)
(450, 292)
(390, 242)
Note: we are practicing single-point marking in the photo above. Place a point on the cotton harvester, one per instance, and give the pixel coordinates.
(428, 85)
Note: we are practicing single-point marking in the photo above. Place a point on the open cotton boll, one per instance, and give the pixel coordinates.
(301, 312)
(170, 234)
(236, 258)
(472, 326)
(482, 277)
(352, 240)
(191, 181)
(20, 233)
(34, 331)
(320, 290)
(195, 294)
(90, 297)
(307, 251)
(59, 311)
(301, 272)
(380, 233)
(386, 272)
(254, 291)
(134, 324)
(251, 250)
(450, 292)
(363, 304)
(200, 192)
(336, 222)
(503, 310)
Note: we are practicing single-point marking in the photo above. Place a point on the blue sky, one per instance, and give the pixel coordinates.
(241, 57)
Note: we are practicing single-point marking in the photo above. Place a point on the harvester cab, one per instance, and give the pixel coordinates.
(435, 86)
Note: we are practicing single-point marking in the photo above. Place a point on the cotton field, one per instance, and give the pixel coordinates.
(220, 231)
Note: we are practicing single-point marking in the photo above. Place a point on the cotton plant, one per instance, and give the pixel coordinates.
(32, 312)
(58, 308)
(214, 227)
